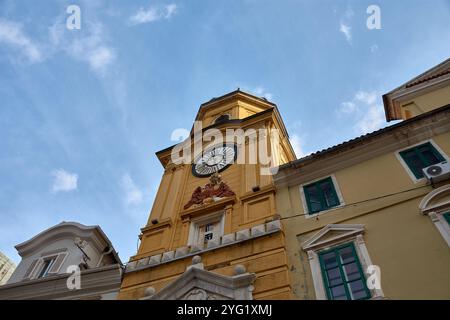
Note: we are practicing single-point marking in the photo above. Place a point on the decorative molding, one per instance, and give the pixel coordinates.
(96, 281)
(436, 211)
(424, 204)
(442, 225)
(199, 284)
(316, 273)
(225, 241)
(213, 191)
(346, 231)
(350, 233)
(167, 222)
(266, 189)
(364, 148)
(214, 206)
(65, 230)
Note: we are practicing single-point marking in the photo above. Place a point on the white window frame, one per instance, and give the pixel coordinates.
(405, 165)
(305, 204)
(353, 234)
(436, 211)
(210, 218)
(52, 260)
(38, 267)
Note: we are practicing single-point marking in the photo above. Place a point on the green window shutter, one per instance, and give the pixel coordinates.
(321, 195)
(413, 162)
(342, 274)
(447, 217)
(420, 157)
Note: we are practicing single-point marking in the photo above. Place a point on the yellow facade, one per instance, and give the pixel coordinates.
(169, 226)
(381, 203)
(392, 219)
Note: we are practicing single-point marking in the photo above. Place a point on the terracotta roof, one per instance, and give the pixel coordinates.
(354, 141)
(392, 109)
(428, 78)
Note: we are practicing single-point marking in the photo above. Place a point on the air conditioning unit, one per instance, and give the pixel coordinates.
(437, 172)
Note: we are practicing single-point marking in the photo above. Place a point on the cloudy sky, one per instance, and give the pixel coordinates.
(82, 112)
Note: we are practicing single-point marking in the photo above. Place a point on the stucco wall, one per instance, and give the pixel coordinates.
(413, 256)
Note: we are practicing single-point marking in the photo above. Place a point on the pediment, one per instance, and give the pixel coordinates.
(332, 233)
(435, 200)
(203, 294)
(199, 284)
(248, 101)
(438, 76)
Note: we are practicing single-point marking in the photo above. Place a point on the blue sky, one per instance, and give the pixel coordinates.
(82, 112)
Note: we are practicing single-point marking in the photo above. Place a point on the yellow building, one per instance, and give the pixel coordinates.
(362, 219)
(213, 231)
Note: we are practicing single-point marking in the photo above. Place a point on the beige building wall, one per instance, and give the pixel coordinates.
(379, 193)
(424, 103)
(6, 268)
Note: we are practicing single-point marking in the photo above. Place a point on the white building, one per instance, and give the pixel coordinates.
(6, 268)
(51, 261)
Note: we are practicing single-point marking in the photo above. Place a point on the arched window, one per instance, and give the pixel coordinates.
(222, 118)
(436, 205)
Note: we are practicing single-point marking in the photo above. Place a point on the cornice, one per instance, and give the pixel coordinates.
(364, 148)
(221, 204)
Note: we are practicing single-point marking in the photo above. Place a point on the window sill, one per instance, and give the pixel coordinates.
(314, 215)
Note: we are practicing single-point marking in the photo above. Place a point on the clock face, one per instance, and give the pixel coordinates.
(214, 160)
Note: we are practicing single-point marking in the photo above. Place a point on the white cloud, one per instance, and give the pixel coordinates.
(348, 107)
(133, 195)
(366, 111)
(153, 14)
(366, 97)
(145, 16)
(349, 13)
(92, 49)
(344, 25)
(64, 181)
(297, 145)
(171, 9)
(371, 120)
(257, 91)
(11, 34)
(346, 30)
(100, 58)
(360, 99)
(260, 91)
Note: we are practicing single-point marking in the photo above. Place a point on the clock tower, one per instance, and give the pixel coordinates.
(213, 231)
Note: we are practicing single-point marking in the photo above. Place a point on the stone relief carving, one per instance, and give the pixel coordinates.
(215, 190)
(196, 294)
(200, 294)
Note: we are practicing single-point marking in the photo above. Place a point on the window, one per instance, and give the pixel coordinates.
(46, 266)
(205, 229)
(321, 195)
(222, 118)
(436, 205)
(342, 274)
(447, 217)
(208, 232)
(421, 157)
